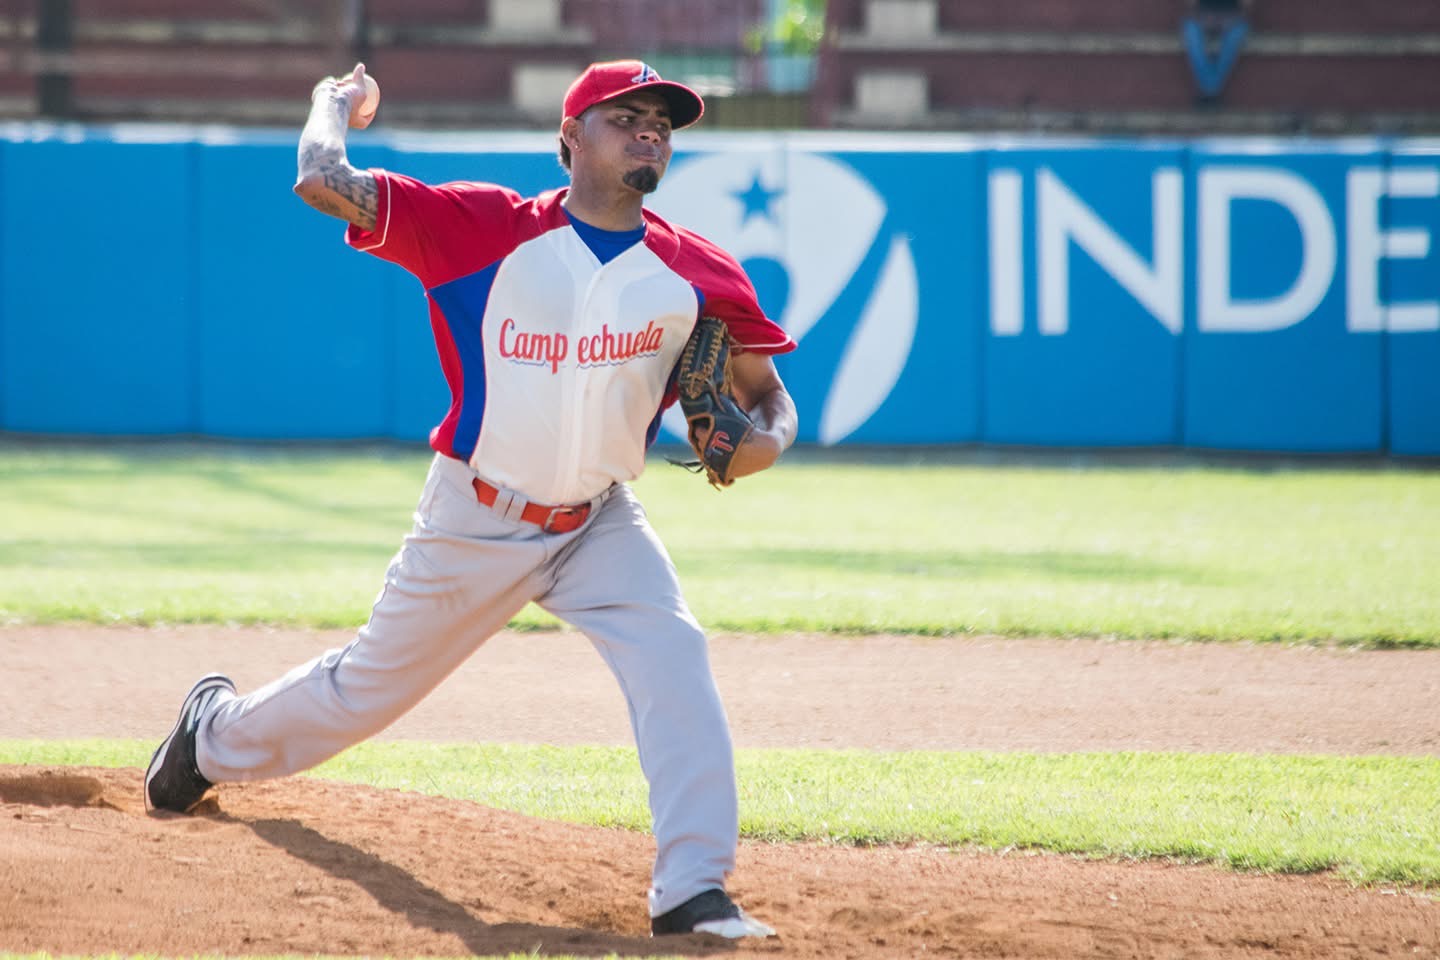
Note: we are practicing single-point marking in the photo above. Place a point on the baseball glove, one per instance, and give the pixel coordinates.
(717, 424)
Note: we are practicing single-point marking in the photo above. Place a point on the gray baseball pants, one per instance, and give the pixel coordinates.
(463, 572)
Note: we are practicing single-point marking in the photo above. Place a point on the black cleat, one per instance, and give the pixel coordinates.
(172, 781)
(710, 912)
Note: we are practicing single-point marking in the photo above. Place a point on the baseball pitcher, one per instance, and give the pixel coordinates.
(565, 324)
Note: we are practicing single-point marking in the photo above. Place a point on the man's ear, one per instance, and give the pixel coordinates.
(570, 133)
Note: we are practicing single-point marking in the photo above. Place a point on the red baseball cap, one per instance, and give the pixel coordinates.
(606, 81)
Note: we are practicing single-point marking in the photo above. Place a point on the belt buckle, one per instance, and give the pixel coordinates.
(565, 513)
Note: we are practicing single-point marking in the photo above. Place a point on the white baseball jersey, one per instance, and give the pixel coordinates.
(559, 365)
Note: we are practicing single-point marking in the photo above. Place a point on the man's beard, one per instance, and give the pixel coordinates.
(644, 179)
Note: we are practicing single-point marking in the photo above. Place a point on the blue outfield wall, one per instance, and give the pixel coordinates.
(1247, 295)
(1411, 215)
(1272, 362)
(1072, 357)
(95, 335)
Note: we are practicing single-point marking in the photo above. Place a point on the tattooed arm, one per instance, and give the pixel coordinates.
(327, 181)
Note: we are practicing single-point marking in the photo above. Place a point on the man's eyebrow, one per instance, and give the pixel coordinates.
(663, 110)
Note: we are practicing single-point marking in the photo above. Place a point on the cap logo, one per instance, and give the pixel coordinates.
(647, 74)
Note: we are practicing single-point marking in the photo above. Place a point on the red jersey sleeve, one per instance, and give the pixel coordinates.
(439, 232)
(726, 291)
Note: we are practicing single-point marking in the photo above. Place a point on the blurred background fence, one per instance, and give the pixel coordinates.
(902, 179)
(1119, 66)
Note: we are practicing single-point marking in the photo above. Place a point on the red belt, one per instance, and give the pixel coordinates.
(549, 519)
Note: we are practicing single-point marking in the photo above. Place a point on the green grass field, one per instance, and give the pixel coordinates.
(216, 535)
(246, 535)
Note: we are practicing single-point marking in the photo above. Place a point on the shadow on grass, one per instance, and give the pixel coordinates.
(215, 483)
(232, 514)
(254, 556)
(248, 483)
(267, 555)
(973, 565)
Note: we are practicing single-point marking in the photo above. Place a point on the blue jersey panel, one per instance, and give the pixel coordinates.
(463, 303)
(653, 430)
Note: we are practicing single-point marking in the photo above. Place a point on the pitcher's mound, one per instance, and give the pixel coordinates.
(304, 866)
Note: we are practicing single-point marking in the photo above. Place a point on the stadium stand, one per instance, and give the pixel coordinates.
(1317, 66)
(222, 60)
(508, 62)
(17, 86)
(444, 63)
(1307, 66)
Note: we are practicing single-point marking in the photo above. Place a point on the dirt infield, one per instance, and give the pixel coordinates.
(302, 866)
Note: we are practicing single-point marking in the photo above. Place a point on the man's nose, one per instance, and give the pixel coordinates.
(649, 135)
